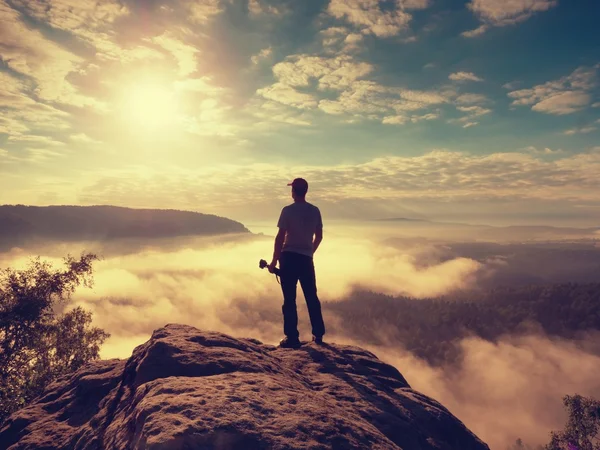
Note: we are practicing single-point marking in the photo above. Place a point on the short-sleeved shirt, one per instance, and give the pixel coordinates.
(300, 220)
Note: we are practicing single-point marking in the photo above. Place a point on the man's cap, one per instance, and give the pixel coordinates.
(299, 183)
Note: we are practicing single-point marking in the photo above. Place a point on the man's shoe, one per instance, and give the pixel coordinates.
(286, 342)
(318, 339)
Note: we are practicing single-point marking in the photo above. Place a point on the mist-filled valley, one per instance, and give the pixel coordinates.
(498, 327)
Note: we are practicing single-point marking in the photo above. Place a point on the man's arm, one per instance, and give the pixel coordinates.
(279, 240)
(318, 239)
(318, 232)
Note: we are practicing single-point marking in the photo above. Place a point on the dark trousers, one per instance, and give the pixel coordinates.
(296, 267)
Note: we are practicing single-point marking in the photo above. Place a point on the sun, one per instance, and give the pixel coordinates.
(150, 106)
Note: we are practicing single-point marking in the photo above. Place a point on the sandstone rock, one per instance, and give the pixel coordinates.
(190, 389)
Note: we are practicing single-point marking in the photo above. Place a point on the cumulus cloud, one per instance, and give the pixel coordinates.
(340, 40)
(566, 95)
(81, 18)
(356, 96)
(369, 99)
(286, 94)
(498, 14)
(264, 55)
(260, 7)
(339, 85)
(464, 76)
(204, 11)
(331, 73)
(369, 17)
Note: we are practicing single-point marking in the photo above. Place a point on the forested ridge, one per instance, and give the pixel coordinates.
(430, 328)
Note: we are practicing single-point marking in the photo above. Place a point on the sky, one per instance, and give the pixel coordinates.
(475, 111)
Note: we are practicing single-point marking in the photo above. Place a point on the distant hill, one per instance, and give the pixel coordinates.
(402, 219)
(457, 230)
(20, 224)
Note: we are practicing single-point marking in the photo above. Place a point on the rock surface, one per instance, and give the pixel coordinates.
(190, 389)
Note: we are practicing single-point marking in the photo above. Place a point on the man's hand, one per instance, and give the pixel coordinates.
(272, 266)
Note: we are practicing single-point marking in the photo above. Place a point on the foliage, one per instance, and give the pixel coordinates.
(39, 341)
(430, 328)
(583, 425)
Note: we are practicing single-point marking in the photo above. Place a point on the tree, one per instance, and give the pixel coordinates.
(39, 341)
(583, 425)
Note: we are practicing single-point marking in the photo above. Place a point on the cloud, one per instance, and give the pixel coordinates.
(271, 113)
(563, 103)
(582, 130)
(264, 55)
(331, 73)
(566, 95)
(544, 151)
(368, 16)
(498, 14)
(464, 76)
(80, 18)
(258, 8)
(531, 371)
(340, 40)
(370, 100)
(35, 139)
(475, 32)
(414, 4)
(28, 52)
(338, 86)
(215, 284)
(84, 139)
(184, 54)
(511, 85)
(204, 11)
(283, 93)
(88, 21)
(469, 99)
(435, 178)
(198, 280)
(474, 111)
(395, 120)
(22, 116)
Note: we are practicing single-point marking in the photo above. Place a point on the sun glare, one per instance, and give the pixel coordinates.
(150, 106)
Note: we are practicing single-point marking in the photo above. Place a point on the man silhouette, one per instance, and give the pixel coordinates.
(294, 249)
